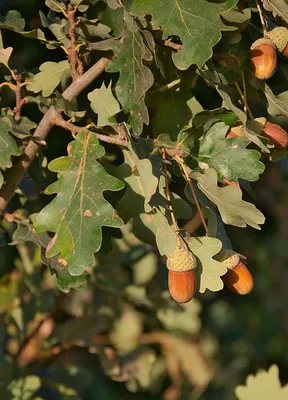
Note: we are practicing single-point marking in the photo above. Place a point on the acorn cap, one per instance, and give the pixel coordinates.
(279, 36)
(238, 130)
(182, 259)
(261, 42)
(256, 125)
(228, 257)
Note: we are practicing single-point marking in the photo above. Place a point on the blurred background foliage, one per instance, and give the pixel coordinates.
(123, 337)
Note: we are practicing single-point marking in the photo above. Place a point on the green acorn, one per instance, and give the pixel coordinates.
(279, 36)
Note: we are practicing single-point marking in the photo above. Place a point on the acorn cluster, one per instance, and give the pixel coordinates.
(182, 280)
(264, 52)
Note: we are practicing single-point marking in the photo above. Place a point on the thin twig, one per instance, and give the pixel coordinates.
(175, 226)
(261, 18)
(168, 43)
(75, 62)
(183, 166)
(19, 101)
(46, 124)
(245, 94)
(243, 98)
(74, 129)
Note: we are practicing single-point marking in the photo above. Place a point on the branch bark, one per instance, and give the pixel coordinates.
(46, 124)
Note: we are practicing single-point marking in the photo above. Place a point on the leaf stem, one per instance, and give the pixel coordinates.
(243, 98)
(175, 226)
(261, 17)
(184, 168)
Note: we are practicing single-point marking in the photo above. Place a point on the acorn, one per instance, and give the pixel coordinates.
(263, 58)
(279, 36)
(275, 134)
(181, 276)
(238, 278)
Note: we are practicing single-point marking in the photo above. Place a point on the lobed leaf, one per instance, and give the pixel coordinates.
(104, 104)
(264, 385)
(8, 148)
(211, 271)
(233, 210)
(135, 78)
(198, 25)
(49, 77)
(79, 211)
(230, 156)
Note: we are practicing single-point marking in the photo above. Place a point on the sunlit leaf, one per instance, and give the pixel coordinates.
(79, 211)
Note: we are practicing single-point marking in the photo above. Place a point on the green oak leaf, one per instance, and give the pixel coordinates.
(56, 5)
(13, 22)
(278, 8)
(79, 211)
(225, 92)
(65, 281)
(104, 104)
(49, 77)
(135, 78)
(5, 55)
(264, 385)
(134, 193)
(230, 156)
(204, 249)
(197, 23)
(140, 183)
(8, 148)
(233, 210)
(277, 105)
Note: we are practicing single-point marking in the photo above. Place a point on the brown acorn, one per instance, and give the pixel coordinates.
(276, 135)
(181, 276)
(182, 285)
(263, 58)
(238, 278)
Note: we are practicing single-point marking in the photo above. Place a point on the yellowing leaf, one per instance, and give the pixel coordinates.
(104, 104)
(211, 270)
(233, 210)
(79, 210)
(49, 77)
(265, 385)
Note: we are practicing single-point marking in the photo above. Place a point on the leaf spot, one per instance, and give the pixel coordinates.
(88, 213)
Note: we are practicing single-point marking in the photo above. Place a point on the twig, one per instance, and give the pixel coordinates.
(245, 94)
(46, 124)
(180, 161)
(75, 62)
(168, 43)
(261, 18)
(193, 224)
(243, 98)
(60, 121)
(176, 229)
(19, 101)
